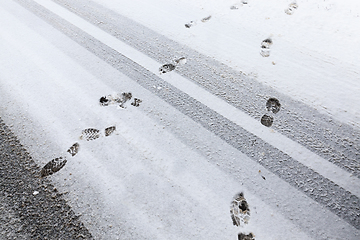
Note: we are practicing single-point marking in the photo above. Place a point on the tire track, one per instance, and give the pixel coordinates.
(337, 142)
(322, 190)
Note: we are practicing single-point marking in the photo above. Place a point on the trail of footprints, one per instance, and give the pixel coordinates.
(90, 134)
(239, 208)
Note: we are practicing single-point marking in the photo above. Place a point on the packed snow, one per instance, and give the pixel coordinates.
(314, 56)
(131, 184)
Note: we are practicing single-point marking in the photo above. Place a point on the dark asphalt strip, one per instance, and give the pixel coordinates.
(337, 142)
(322, 190)
(44, 215)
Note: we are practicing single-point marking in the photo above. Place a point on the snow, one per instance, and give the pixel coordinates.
(293, 149)
(315, 53)
(133, 180)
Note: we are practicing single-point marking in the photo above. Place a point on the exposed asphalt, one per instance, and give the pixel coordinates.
(31, 207)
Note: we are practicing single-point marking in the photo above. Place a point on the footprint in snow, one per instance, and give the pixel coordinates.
(109, 131)
(291, 9)
(237, 5)
(119, 99)
(193, 23)
(115, 99)
(239, 210)
(243, 236)
(273, 106)
(88, 134)
(53, 166)
(166, 68)
(265, 47)
(267, 120)
(92, 133)
(74, 149)
(170, 67)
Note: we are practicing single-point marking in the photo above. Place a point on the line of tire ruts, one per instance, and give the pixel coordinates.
(239, 208)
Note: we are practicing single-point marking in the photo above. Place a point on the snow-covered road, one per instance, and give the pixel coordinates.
(176, 161)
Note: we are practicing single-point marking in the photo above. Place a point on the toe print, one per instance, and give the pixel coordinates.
(242, 236)
(265, 47)
(53, 166)
(109, 131)
(136, 102)
(74, 149)
(166, 68)
(273, 105)
(193, 23)
(239, 210)
(90, 134)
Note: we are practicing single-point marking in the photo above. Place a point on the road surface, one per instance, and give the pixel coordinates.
(178, 157)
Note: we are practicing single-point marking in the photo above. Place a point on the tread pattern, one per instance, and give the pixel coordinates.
(239, 210)
(53, 166)
(74, 149)
(90, 134)
(109, 131)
